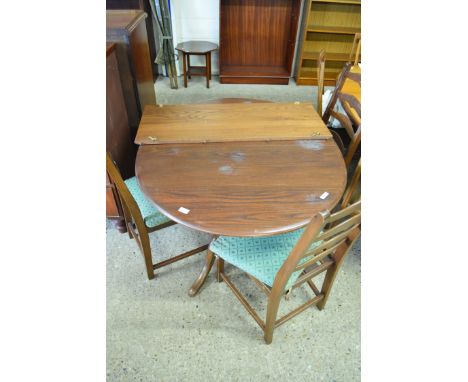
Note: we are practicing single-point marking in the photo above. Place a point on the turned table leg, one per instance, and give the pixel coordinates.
(185, 68)
(209, 60)
(188, 67)
(207, 70)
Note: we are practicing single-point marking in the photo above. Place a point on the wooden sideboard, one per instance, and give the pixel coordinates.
(257, 40)
(127, 29)
(143, 5)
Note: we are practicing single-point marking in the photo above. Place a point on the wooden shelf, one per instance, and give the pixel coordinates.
(329, 25)
(311, 73)
(330, 56)
(332, 29)
(357, 2)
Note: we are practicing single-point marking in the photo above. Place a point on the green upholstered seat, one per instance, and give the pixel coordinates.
(151, 215)
(262, 257)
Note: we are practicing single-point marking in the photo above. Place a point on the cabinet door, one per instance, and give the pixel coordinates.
(119, 142)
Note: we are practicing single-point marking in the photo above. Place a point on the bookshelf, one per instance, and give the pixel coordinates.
(329, 25)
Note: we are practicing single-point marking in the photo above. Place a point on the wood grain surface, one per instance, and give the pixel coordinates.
(200, 47)
(257, 40)
(229, 122)
(242, 188)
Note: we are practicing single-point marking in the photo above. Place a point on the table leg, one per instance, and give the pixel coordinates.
(188, 66)
(203, 275)
(207, 70)
(185, 69)
(209, 58)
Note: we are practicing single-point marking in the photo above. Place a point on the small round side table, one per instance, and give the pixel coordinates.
(196, 48)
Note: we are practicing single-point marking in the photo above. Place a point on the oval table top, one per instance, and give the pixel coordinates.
(242, 188)
(196, 46)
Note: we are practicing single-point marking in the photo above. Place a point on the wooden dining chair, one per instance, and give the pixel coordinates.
(350, 120)
(142, 217)
(320, 89)
(278, 264)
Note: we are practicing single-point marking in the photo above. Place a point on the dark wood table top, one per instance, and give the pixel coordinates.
(242, 188)
(196, 46)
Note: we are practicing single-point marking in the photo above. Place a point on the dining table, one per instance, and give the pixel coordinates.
(246, 169)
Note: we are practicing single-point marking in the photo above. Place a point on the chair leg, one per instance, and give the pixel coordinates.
(219, 269)
(148, 257)
(272, 311)
(330, 276)
(327, 286)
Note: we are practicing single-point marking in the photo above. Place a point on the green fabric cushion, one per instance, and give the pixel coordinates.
(151, 215)
(262, 257)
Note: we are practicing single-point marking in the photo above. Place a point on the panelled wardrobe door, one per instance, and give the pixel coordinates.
(257, 40)
(119, 140)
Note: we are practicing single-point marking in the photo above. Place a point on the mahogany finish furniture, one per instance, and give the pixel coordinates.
(143, 5)
(242, 188)
(257, 40)
(267, 185)
(141, 218)
(196, 48)
(119, 137)
(127, 29)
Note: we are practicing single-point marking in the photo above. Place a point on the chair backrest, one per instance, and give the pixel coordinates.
(334, 235)
(351, 119)
(131, 211)
(355, 53)
(320, 79)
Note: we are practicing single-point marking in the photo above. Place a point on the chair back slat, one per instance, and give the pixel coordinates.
(338, 229)
(344, 121)
(325, 253)
(332, 237)
(320, 230)
(352, 107)
(343, 212)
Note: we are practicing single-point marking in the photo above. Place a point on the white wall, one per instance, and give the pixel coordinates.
(196, 20)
